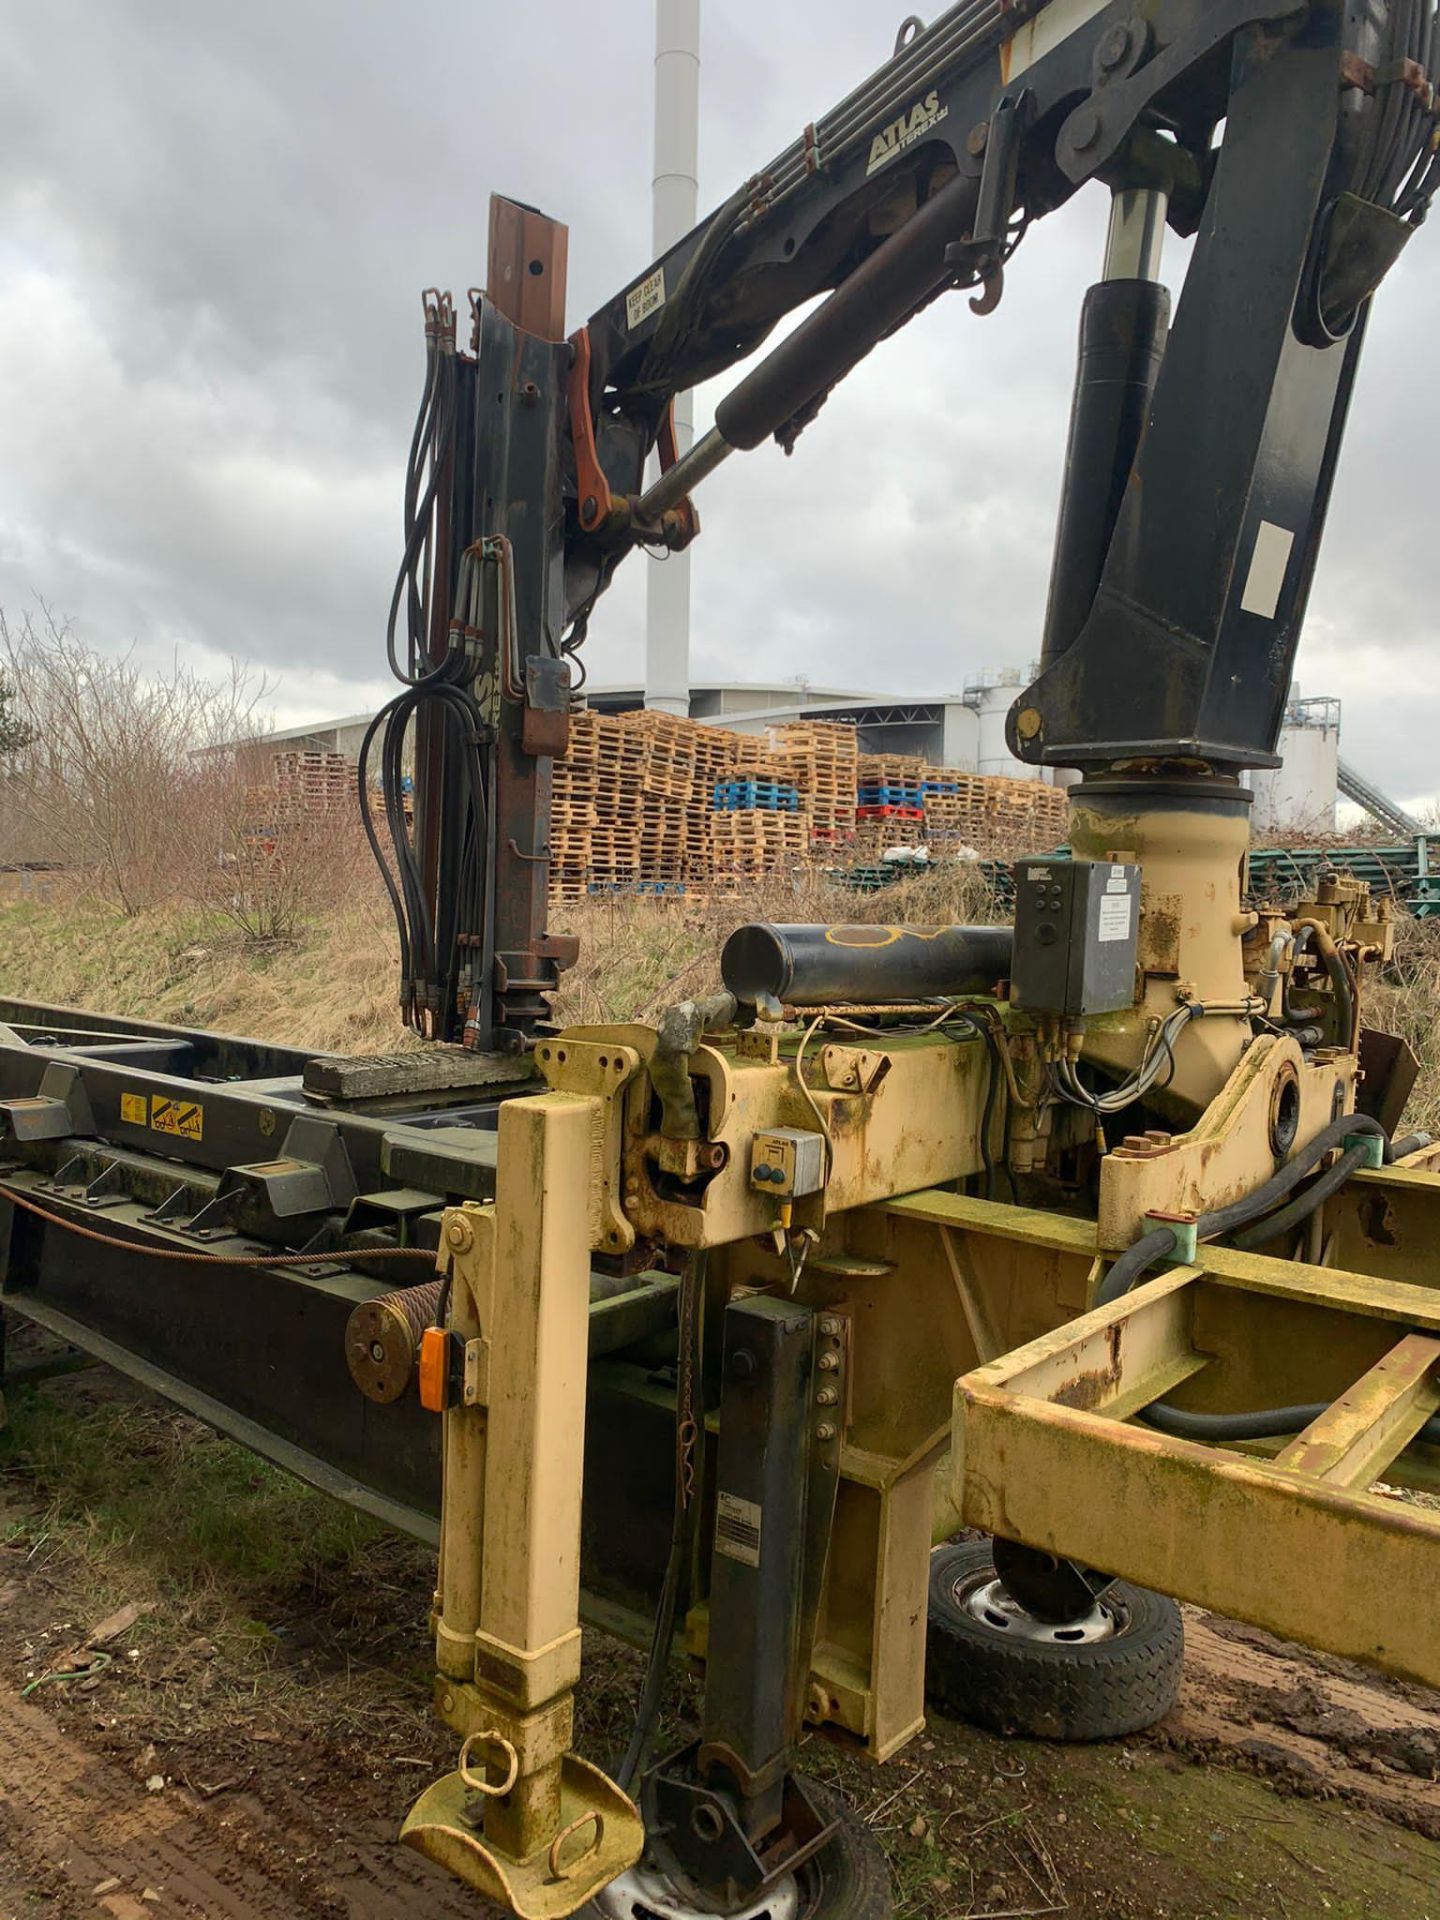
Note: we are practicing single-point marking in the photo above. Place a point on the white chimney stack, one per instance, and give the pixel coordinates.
(676, 208)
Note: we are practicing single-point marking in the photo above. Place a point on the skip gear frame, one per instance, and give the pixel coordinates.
(712, 1329)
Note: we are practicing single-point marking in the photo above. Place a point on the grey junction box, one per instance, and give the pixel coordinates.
(1077, 925)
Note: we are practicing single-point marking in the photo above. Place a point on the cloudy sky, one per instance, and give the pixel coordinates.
(214, 225)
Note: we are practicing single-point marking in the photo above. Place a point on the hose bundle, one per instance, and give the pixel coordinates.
(1398, 166)
(430, 957)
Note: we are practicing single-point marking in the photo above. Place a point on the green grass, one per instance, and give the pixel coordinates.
(155, 1508)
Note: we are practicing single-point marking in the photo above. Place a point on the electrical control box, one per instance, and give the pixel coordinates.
(1077, 925)
(787, 1162)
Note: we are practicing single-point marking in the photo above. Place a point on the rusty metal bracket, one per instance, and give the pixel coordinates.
(596, 503)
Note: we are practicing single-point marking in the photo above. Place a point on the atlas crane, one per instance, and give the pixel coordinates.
(714, 1328)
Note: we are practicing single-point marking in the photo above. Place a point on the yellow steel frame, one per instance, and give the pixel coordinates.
(1043, 1452)
(929, 1286)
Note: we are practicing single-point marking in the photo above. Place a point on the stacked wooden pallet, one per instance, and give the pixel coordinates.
(821, 758)
(668, 802)
(574, 807)
(758, 840)
(314, 782)
(1026, 810)
(636, 810)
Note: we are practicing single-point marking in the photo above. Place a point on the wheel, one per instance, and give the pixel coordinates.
(1114, 1671)
(847, 1880)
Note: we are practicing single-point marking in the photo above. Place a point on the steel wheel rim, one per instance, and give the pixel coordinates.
(645, 1893)
(983, 1598)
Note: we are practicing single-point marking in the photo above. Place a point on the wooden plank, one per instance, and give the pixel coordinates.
(1356, 1439)
(427, 1070)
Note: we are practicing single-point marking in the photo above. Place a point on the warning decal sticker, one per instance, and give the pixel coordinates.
(184, 1118)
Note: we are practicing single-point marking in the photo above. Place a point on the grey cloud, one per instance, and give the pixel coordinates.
(214, 224)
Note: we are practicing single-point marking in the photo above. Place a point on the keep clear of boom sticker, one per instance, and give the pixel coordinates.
(163, 1113)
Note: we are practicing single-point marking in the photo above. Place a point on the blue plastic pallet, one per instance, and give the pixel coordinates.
(668, 887)
(755, 796)
(889, 796)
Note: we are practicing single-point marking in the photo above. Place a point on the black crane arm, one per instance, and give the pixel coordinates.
(1295, 139)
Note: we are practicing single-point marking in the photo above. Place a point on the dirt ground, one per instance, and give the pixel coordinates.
(213, 1703)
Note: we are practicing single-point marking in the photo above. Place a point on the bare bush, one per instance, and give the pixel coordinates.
(276, 869)
(126, 777)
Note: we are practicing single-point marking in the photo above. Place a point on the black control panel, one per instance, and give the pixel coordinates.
(1077, 925)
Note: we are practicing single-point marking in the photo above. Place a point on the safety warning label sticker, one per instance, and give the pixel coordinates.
(184, 1118)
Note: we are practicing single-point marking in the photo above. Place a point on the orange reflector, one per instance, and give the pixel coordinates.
(432, 1369)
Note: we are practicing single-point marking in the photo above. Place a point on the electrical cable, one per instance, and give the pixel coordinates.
(1066, 1083)
(689, 1414)
(202, 1257)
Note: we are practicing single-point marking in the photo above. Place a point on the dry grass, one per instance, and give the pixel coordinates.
(1407, 1002)
(333, 987)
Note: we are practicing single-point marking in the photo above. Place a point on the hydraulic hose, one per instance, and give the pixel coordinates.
(689, 1427)
(1312, 933)
(1219, 1428)
(1137, 1260)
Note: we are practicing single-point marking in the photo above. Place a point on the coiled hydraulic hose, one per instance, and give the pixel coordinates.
(1136, 1262)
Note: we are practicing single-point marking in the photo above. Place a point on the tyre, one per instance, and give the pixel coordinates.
(847, 1880)
(988, 1661)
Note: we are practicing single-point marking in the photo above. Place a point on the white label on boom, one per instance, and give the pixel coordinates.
(645, 299)
(1268, 565)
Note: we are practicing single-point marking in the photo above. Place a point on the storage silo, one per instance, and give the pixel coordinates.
(1299, 796)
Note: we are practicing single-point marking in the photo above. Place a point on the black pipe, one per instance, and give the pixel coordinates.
(868, 965)
(884, 290)
(1123, 329)
(1268, 1423)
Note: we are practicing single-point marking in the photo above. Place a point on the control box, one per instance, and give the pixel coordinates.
(787, 1162)
(1077, 925)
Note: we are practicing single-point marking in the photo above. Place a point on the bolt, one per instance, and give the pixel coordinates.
(447, 1703)
(828, 1362)
(1028, 723)
(632, 1188)
(826, 1397)
(742, 1364)
(1084, 128)
(1114, 47)
(824, 1431)
(978, 139)
(831, 1326)
(459, 1233)
(377, 1352)
(1156, 1137)
(590, 511)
